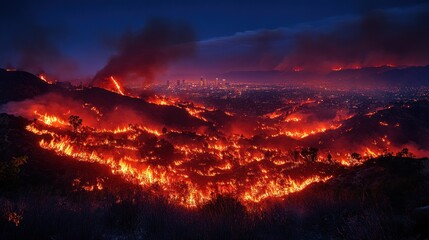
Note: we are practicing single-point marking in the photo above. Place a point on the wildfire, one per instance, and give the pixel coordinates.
(181, 184)
(298, 69)
(117, 86)
(292, 119)
(272, 188)
(188, 167)
(336, 68)
(86, 186)
(305, 133)
(273, 115)
(50, 120)
(193, 109)
(371, 153)
(43, 78)
(384, 123)
(162, 100)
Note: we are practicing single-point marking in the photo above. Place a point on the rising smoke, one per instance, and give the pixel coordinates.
(143, 55)
(379, 38)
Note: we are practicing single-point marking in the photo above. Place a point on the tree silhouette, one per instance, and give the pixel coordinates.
(404, 153)
(355, 156)
(162, 150)
(329, 158)
(75, 122)
(164, 130)
(310, 153)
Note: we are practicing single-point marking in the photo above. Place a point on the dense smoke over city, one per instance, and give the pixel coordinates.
(146, 54)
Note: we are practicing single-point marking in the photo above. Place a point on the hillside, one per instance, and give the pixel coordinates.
(384, 198)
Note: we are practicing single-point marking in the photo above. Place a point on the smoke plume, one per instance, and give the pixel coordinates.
(143, 55)
(380, 38)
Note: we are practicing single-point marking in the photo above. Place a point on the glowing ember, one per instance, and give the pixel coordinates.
(292, 119)
(384, 123)
(14, 218)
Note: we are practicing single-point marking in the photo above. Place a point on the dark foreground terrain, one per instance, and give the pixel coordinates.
(44, 196)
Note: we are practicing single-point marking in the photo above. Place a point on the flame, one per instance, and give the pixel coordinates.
(336, 68)
(177, 182)
(50, 119)
(298, 69)
(163, 100)
(117, 86)
(305, 133)
(193, 109)
(371, 153)
(292, 119)
(43, 78)
(190, 172)
(384, 123)
(78, 185)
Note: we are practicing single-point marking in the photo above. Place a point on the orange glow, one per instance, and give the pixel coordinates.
(117, 86)
(162, 100)
(14, 218)
(193, 109)
(190, 167)
(50, 120)
(292, 119)
(200, 181)
(299, 134)
(43, 78)
(345, 163)
(273, 115)
(298, 69)
(384, 123)
(336, 68)
(371, 153)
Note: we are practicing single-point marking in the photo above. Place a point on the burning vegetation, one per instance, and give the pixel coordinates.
(209, 159)
(282, 152)
(190, 172)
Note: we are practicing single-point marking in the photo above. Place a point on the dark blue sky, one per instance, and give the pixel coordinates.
(78, 37)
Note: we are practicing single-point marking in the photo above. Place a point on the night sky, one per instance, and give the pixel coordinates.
(72, 40)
